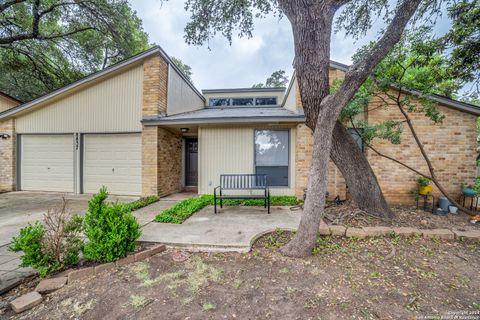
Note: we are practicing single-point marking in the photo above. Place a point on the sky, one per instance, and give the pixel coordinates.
(246, 61)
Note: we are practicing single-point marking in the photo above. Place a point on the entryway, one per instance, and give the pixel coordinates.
(191, 162)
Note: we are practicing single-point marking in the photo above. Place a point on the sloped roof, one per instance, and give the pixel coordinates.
(9, 97)
(228, 115)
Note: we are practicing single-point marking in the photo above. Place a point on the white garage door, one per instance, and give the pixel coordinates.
(114, 161)
(47, 163)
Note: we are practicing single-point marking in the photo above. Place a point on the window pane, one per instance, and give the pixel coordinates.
(218, 102)
(242, 102)
(276, 176)
(272, 101)
(356, 134)
(271, 147)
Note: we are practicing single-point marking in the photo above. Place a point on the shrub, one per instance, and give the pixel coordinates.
(51, 247)
(30, 242)
(184, 209)
(111, 229)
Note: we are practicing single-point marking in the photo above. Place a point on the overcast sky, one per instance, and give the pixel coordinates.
(246, 61)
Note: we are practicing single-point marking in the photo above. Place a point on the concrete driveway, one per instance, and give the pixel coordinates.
(19, 208)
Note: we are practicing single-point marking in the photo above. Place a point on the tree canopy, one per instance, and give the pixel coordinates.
(45, 44)
(277, 79)
(185, 68)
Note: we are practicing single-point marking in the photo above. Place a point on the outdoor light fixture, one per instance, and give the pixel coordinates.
(184, 130)
(4, 136)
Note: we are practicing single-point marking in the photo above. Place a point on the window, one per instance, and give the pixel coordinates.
(272, 155)
(219, 102)
(242, 102)
(356, 134)
(270, 101)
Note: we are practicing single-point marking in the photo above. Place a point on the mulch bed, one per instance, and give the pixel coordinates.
(345, 279)
(405, 216)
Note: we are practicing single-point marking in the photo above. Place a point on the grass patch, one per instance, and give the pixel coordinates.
(140, 203)
(186, 208)
(208, 306)
(137, 302)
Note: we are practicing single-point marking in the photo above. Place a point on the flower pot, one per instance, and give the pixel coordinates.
(453, 209)
(425, 190)
(469, 192)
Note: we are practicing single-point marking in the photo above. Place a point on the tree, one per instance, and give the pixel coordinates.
(312, 24)
(46, 44)
(185, 68)
(276, 80)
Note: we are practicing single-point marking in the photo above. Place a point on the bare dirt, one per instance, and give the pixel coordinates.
(345, 279)
(405, 216)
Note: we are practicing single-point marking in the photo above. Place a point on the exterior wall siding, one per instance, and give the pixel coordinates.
(8, 157)
(231, 150)
(181, 97)
(113, 105)
(6, 104)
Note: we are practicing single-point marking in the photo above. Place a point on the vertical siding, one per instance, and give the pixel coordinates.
(181, 97)
(112, 105)
(231, 150)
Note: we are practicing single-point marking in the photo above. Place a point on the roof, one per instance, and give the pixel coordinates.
(3, 94)
(455, 104)
(100, 74)
(228, 115)
(239, 90)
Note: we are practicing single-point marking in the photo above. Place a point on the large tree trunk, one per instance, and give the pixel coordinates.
(359, 176)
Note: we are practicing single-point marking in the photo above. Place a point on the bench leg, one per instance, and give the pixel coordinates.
(221, 203)
(268, 203)
(214, 203)
(265, 200)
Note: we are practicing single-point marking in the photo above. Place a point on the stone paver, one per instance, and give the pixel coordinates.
(467, 235)
(443, 234)
(407, 232)
(356, 233)
(323, 230)
(52, 284)
(338, 231)
(105, 267)
(377, 231)
(80, 274)
(27, 301)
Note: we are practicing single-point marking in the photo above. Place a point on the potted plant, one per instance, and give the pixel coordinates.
(423, 186)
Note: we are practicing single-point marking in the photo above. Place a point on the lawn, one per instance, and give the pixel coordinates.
(345, 279)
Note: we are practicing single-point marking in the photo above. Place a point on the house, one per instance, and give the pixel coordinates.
(7, 102)
(140, 127)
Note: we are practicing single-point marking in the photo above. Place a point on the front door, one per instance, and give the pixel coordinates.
(191, 162)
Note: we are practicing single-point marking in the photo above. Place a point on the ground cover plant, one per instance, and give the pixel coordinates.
(142, 202)
(186, 208)
(345, 279)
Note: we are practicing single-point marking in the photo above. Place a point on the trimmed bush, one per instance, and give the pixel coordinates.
(111, 229)
(184, 209)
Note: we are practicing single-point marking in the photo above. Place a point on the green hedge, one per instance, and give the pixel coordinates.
(184, 209)
(140, 203)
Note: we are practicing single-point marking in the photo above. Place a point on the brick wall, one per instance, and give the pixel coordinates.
(7, 157)
(155, 82)
(169, 162)
(451, 147)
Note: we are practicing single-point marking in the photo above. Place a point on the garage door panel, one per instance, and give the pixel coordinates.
(114, 161)
(47, 163)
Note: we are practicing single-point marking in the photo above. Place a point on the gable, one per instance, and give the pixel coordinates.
(6, 103)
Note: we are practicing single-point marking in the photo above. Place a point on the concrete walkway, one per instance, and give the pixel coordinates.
(232, 229)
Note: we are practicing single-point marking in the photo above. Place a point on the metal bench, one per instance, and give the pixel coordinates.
(242, 182)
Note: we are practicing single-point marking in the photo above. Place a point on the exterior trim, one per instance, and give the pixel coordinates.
(238, 90)
(98, 75)
(18, 162)
(155, 122)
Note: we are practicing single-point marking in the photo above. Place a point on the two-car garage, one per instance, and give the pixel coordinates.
(81, 163)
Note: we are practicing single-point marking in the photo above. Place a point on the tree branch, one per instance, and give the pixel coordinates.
(4, 6)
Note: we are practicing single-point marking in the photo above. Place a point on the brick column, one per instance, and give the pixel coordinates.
(7, 157)
(154, 103)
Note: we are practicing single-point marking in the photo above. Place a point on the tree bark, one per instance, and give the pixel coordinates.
(359, 176)
(312, 26)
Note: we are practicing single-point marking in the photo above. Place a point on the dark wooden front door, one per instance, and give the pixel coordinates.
(191, 162)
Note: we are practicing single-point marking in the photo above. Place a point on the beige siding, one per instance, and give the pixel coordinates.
(291, 99)
(181, 97)
(231, 150)
(6, 104)
(113, 105)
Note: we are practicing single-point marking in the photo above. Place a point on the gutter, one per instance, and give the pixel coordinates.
(222, 120)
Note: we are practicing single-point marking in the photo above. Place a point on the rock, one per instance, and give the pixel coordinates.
(323, 230)
(377, 231)
(407, 231)
(142, 255)
(157, 249)
(473, 235)
(443, 234)
(337, 230)
(424, 222)
(27, 301)
(180, 256)
(52, 284)
(355, 232)
(127, 260)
